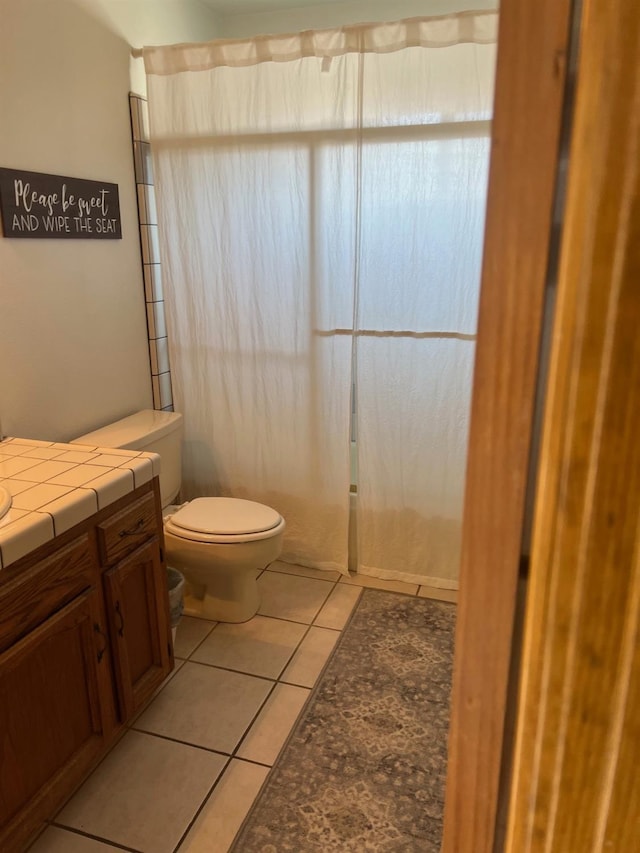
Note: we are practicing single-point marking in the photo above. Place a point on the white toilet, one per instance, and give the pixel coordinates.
(217, 543)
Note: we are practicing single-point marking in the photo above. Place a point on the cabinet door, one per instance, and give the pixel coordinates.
(137, 610)
(55, 713)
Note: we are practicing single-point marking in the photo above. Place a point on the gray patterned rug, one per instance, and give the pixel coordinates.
(364, 768)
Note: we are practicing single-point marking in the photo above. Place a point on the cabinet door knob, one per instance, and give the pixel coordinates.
(118, 610)
(132, 530)
(98, 630)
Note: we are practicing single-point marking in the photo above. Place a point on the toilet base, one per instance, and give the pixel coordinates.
(222, 582)
(224, 605)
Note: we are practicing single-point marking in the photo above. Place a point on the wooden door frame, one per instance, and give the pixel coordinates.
(574, 784)
(528, 114)
(575, 781)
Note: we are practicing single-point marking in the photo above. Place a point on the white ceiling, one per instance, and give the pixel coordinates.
(244, 7)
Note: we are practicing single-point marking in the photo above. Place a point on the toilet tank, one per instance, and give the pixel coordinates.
(149, 430)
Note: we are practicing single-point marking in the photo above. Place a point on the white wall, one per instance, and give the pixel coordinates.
(73, 341)
(340, 14)
(147, 22)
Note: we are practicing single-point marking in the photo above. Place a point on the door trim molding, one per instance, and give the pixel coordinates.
(530, 86)
(576, 784)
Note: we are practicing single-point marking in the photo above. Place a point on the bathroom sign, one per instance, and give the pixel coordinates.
(51, 206)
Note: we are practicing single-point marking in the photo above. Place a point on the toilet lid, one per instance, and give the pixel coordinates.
(229, 516)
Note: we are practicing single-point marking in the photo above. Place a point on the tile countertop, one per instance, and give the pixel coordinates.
(55, 486)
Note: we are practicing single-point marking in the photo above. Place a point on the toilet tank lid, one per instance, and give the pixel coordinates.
(226, 516)
(133, 432)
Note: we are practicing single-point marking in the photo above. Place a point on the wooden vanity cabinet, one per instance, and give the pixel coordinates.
(135, 593)
(56, 709)
(84, 641)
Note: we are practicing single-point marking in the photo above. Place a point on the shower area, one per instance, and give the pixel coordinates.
(320, 220)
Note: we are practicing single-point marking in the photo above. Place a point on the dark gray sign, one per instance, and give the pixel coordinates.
(37, 205)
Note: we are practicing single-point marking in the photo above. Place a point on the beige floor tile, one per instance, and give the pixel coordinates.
(226, 808)
(290, 597)
(310, 657)
(191, 632)
(145, 793)
(176, 667)
(269, 732)
(438, 594)
(56, 840)
(337, 610)
(303, 571)
(261, 646)
(206, 706)
(380, 583)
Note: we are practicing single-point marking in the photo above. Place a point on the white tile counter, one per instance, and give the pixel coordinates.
(55, 486)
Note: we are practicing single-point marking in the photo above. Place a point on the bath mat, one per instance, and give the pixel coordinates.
(364, 768)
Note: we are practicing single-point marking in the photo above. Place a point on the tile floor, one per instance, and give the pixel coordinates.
(185, 774)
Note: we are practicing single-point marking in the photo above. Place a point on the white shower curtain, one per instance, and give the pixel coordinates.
(321, 202)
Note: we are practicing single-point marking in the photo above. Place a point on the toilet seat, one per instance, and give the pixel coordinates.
(224, 521)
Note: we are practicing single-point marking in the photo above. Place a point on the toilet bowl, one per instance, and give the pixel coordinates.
(217, 543)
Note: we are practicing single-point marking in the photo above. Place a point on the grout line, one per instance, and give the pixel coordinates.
(256, 675)
(315, 616)
(132, 722)
(257, 714)
(197, 646)
(183, 742)
(253, 761)
(292, 621)
(229, 669)
(306, 577)
(201, 618)
(84, 834)
(202, 805)
(292, 655)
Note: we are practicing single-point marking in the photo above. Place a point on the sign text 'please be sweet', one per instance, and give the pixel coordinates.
(37, 205)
